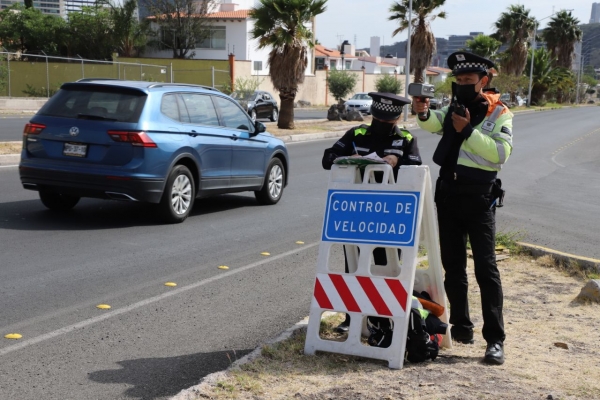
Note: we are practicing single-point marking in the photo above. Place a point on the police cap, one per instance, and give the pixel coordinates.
(387, 106)
(463, 62)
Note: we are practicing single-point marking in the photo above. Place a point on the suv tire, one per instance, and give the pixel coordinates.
(178, 198)
(58, 201)
(253, 115)
(272, 188)
(274, 115)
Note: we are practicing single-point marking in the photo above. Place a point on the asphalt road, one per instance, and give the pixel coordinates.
(11, 126)
(156, 340)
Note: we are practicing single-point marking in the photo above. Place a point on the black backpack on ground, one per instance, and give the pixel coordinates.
(419, 346)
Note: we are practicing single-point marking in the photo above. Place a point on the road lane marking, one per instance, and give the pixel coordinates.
(560, 149)
(154, 299)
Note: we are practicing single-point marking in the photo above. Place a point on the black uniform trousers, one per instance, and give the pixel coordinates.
(472, 215)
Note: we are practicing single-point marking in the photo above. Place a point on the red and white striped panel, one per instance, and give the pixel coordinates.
(369, 296)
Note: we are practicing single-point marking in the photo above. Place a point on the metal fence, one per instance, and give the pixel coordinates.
(34, 75)
(217, 78)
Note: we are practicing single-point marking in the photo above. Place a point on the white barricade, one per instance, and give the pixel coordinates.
(363, 215)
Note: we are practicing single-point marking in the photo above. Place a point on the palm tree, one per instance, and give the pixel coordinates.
(484, 46)
(128, 33)
(547, 78)
(514, 28)
(281, 25)
(422, 41)
(561, 35)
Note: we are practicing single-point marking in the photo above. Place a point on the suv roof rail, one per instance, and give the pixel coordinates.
(184, 85)
(96, 79)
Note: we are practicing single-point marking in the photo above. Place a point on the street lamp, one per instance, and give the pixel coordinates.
(342, 52)
(536, 22)
(407, 63)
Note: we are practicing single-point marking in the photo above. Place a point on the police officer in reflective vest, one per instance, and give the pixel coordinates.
(393, 144)
(476, 141)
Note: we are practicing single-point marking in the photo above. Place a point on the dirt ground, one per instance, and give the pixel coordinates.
(552, 352)
(10, 147)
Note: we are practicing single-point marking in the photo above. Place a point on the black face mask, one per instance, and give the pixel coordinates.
(465, 94)
(381, 127)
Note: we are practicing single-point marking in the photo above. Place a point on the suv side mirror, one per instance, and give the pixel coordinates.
(259, 127)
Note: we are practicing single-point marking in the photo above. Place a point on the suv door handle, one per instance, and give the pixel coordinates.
(234, 137)
(193, 134)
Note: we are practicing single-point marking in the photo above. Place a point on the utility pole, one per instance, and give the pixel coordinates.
(407, 63)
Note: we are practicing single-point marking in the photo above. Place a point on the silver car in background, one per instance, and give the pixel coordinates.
(359, 102)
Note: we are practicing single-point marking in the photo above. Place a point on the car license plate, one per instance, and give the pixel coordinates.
(75, 150)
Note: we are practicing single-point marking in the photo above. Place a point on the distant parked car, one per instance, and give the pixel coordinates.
(505, 98)
(258, 104)
(434, 104)
(360, 102)
(158, 143)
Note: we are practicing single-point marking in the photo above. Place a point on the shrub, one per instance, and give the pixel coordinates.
(388, 84)
(341, 83)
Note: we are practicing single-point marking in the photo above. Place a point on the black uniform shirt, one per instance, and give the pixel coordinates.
(399, 143)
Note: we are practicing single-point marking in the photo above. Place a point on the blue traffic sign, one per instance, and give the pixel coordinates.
(371, 217)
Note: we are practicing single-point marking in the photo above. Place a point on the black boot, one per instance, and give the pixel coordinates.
(343, 327)
(464, 336)
(494, 353)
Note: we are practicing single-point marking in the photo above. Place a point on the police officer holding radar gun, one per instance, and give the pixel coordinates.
(396, 146)
(476, 141)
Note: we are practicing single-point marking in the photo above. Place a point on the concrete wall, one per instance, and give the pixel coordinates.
(313, 89)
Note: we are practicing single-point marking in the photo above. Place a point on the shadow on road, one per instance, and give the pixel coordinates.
(154, 378)
(92, 214)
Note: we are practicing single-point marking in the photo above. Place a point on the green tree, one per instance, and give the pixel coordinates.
(388, 84)
(28, 30)
(128, 34)
(561, 35)
(507, 83)
(556, 82)
(514, 28)
(444, 88)
(341, 84)
(484, 46)
(90, 33)
(180, 24)
(281, 26)
(422, 40)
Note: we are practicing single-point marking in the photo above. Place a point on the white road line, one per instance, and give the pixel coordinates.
(9, 166)
(117, 312)
(556, 162)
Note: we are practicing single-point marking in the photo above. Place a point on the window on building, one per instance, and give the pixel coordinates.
(348, 64)
(320, 63)
(215, 39)
(333, 64)
(258, 65)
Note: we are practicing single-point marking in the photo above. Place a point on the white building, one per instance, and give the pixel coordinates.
(230, 34)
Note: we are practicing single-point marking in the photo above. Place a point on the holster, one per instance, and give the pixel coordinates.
(498, 193)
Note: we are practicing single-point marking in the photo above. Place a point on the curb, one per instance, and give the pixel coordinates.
(193, 392)
(304, 137)
(587, 263)
(9, 159)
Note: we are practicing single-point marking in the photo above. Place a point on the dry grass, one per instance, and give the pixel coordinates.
(10, 147)
(539, 312)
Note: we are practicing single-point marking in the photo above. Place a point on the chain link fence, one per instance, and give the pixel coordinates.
(33, 75)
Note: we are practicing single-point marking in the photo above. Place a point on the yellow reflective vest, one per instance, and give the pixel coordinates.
(489, 145)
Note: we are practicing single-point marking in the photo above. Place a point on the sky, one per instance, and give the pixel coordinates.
(344, 19)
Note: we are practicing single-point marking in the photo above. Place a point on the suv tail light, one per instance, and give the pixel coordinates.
(33, 129)
(136, 138)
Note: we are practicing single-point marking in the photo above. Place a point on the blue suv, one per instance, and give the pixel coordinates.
(159, 143)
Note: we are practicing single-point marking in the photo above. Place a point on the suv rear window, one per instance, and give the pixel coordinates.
(96, 102)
